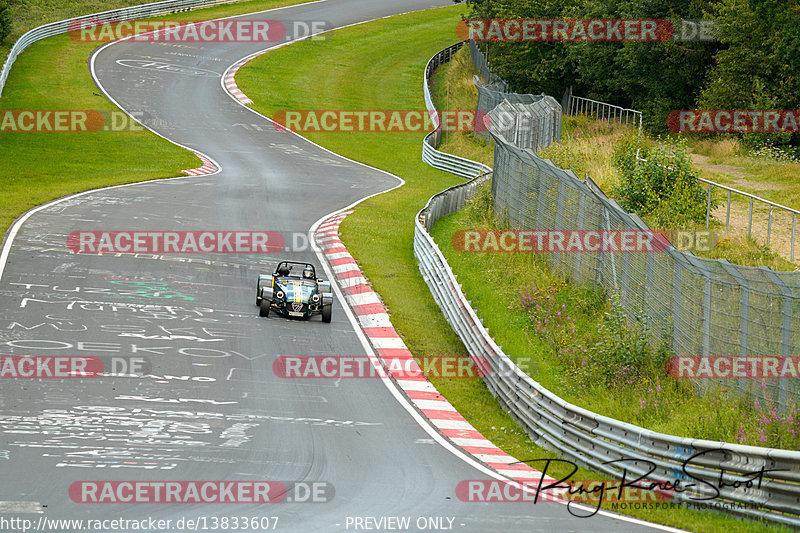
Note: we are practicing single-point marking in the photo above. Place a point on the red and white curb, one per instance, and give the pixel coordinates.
(229, 81)
(375, 322)
(209, 167)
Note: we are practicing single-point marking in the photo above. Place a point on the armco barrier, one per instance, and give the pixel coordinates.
(126, 13)
(440, 160)
(718, 476)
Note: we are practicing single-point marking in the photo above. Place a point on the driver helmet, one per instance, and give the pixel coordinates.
(308, 273)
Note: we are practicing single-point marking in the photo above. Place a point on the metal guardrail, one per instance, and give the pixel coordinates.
(443, 161)
(577, 105)
(705, 473)
(753, 198)
(114, 15)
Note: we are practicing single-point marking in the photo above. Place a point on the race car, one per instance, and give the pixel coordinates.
(299, 295)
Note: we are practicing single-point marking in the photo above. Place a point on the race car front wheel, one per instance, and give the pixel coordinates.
(263, 309)
(326, 313)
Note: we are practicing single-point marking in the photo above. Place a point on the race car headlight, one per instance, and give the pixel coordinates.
(279, 295)
(315, 298)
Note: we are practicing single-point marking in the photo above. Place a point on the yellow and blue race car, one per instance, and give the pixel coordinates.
(294, 295)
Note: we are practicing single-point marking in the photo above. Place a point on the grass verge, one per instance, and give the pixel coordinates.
(379, 66)
(52, 75)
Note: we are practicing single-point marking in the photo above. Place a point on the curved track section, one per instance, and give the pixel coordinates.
(209, 406)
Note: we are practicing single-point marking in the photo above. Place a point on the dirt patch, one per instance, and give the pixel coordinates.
(755, 186)
(781, 229)
(702, 161)
(780, 235)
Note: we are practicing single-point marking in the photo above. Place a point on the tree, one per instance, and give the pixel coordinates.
(759, 65)
(653, 77)
(5, 20)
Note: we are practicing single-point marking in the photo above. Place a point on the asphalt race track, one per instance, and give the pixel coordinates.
(209, 406)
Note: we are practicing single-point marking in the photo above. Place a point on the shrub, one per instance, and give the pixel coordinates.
(623, 353)
(480, 207)
(662, 187)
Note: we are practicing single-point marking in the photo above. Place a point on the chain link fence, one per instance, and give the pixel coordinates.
(712, 307)
(493, 91)
(481, 64)
(603, 444)
(533, 126)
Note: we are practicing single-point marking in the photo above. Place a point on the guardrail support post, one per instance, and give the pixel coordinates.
(728, 215)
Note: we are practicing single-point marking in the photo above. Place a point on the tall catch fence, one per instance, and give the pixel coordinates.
(710, 474)
(714, 308)
(598, 442)
(493, 91)
(481, 64)
(533, 126)
(115, 15)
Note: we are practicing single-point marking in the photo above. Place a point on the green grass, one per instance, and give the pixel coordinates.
(452, 89)
(28, 14)
(379, 66)
(53, 75)
(765, 177)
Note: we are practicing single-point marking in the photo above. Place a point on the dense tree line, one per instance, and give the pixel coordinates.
(5, 20)
(754, 63)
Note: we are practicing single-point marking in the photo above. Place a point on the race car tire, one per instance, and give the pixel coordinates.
(263, 309)
(326, 313)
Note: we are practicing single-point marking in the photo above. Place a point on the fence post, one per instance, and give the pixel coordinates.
(566, 100)
(581, 223)
(677, 267)
(786, 335)
(744, 316)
